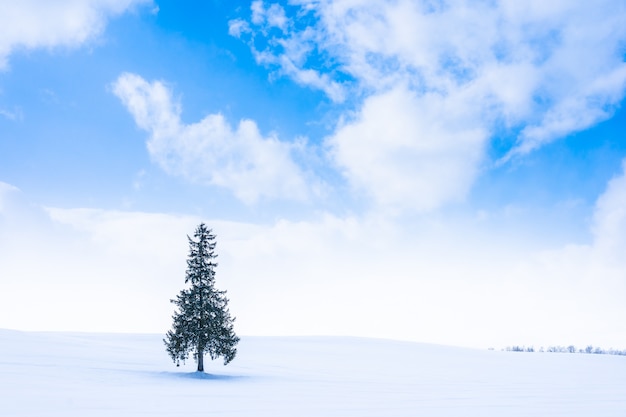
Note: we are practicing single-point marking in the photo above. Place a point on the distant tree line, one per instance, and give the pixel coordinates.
(567, 349)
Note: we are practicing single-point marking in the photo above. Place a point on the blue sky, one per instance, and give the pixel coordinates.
(446, 161)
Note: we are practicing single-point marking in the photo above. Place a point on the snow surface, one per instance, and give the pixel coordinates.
(64, 374)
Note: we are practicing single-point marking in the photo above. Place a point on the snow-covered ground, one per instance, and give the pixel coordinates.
(61, 374)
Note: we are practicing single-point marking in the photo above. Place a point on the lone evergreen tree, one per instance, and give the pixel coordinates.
(202, 322)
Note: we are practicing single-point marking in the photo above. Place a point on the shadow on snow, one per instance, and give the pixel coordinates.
(203, 375)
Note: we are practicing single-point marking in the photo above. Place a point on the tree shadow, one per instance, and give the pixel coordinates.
(203, 376)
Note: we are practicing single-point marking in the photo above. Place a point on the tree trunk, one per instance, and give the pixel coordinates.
(200, 361)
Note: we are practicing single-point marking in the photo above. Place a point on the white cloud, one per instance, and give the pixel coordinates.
(272, 16)
(258, 12)
(32, 24)
(237, 27)
(566, 57)
(558, 52)
(410, 151)
(545, 69)
(211, 151)
(609, 221)
(308, 77)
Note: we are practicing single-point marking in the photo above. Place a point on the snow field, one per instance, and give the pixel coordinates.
(65, 374)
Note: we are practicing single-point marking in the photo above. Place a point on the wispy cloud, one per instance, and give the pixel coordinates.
(15, 114)
(32, 24)
(287, 50)
(211, 151)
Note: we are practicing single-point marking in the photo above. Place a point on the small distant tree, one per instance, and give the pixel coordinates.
(202, 322)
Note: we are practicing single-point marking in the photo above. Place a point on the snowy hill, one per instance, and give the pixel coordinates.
(64, 374)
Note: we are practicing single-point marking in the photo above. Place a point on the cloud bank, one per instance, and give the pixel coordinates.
(452, 283)
(453, 76)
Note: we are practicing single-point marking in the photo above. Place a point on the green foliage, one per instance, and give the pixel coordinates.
(202, 322)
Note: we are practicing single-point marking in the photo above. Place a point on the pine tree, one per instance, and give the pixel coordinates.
(202, 322)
